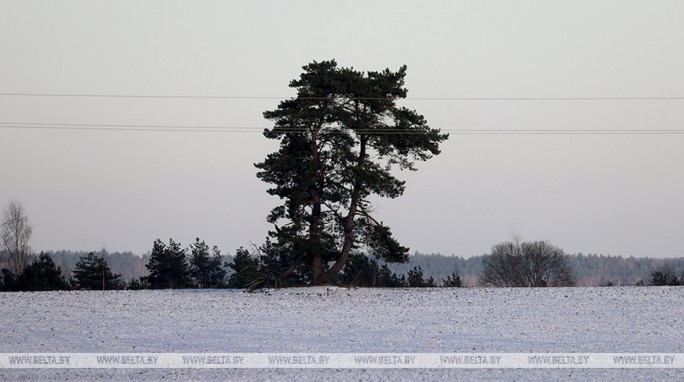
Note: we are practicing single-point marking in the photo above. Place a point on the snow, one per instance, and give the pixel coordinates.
(334, 320)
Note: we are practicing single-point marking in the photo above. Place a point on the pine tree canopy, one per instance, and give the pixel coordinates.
(167, 266)
(340, 138)
(41, 275)
(92, 272)
(205, 269)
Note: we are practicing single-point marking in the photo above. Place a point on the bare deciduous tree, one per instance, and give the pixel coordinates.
(16, 232)
(527, 264)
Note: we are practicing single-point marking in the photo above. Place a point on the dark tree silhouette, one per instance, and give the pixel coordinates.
(339, 138)
(206, 269)
(416, 279)
(92, 272)
(453, 281)
(167, 266)
(531, 264)
(41, 275)
(666, 276)
(364, 271)
(245, 269)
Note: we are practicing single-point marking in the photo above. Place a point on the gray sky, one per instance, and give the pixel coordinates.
(85, 189)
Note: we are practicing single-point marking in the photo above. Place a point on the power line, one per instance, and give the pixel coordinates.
(129, 126)
(158, 96)
(254, 129)
(138, 96)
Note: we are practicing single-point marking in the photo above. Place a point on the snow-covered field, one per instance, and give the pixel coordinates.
(337, 320)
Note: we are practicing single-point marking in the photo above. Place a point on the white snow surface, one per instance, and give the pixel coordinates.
(334, 320)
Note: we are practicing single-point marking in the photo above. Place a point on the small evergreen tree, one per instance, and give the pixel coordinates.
(665, 276)
(8, 280)
(364, 271)
(453, 281)
(92, 272)
(206, 270)
(360, 271)
(245, 269)
(416, 280)
(389, 279)
(167, 266)
(276, 267)
(41, 275)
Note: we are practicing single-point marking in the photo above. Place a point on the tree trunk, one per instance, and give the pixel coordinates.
(349, 222)
(315, 228)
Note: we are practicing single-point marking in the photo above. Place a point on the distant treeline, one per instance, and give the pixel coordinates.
(127, 264)
(590, 270)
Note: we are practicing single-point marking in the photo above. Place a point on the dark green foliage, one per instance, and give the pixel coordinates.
(205, 269)
(167, 266)
(360, 271)
(92, 272)
(41, 275)
(339, 139)
(245, 269)
(453, 281)
(416, 279)
(365, 271)
(278, 266)
(8, 282)
(666, 276)
(389, 279)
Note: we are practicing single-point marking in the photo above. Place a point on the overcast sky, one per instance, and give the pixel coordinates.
(618, 194)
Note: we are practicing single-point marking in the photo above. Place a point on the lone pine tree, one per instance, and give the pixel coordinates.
(41, 275)
(168, 266)
(245, 269)
(340, 137)
(206, 269)
(92, 272)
